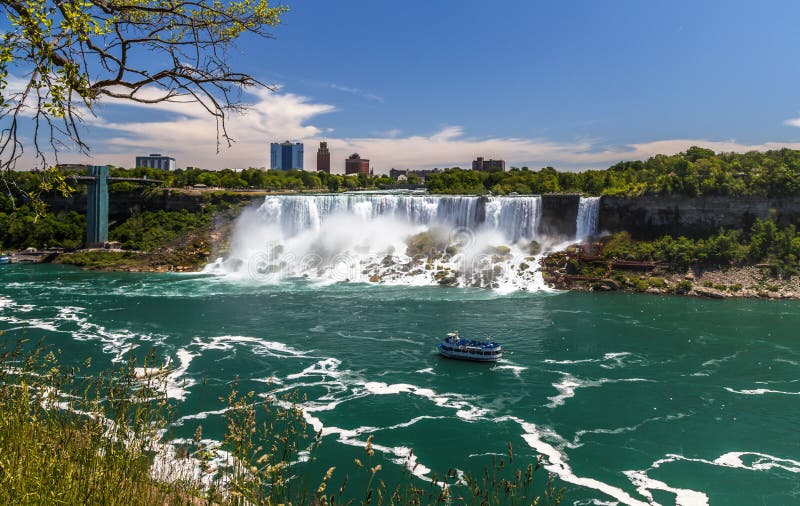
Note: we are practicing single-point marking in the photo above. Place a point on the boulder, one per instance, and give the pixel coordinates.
(709, 292)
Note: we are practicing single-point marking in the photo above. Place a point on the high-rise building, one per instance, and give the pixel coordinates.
(323, 158)
(489, 165)
(286, 155)
(156, 161)
(356, 165)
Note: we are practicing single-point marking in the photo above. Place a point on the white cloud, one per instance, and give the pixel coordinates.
(356, 91)
(795, 122)
(188, 133)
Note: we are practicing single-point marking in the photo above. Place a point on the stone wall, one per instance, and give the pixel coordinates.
(654, 216)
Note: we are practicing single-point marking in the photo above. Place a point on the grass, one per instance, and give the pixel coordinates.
(73, 435)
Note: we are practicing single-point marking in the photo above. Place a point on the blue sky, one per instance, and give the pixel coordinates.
(435, 83)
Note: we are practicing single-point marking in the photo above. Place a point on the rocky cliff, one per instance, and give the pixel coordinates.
(654, 216)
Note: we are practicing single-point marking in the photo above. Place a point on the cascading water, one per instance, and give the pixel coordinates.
(588, 214)
(403, 239)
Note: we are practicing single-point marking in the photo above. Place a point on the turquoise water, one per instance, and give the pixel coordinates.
(632, 399)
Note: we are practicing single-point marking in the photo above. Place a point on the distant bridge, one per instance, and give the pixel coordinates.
(92, 179)
(97, 202)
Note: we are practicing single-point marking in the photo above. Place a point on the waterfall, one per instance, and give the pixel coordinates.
(516, 217)
(587, 222)
(391, 238)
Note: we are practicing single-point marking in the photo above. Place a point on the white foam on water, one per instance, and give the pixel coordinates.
(178, 385)
(716, 362)
(569, 384)
(612, 360)
(427, 370)
(5, 302)
(344, 386)
(402, 455)
(259, 346)
(270, 380)
(168, 467)
(202, 415)
(683, 497)
(464, 410)
(515, 369)
(759, 391)
(576, 441)
(616, 360)
(171, 381)
(570, 362)
(487, 454)
(556, 463)
(115, 343)
(325, 367)
(761, 461)
(47, 324)
(735, 460)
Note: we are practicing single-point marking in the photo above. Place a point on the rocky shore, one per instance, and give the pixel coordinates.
(569, 270)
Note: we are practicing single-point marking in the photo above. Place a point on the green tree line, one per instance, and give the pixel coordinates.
(697, 171)
(259, 179)
(765, 242)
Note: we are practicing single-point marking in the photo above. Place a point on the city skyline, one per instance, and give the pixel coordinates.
(640, 80)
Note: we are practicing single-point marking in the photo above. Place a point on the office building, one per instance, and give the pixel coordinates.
(323, 158)
(286, 155)
(489, 165)
(356, 165)
(156, 161)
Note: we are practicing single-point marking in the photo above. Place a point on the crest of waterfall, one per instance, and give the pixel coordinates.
(588, 218)
(404, 239)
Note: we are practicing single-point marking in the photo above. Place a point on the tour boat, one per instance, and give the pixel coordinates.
(4, 260)
(466, 349)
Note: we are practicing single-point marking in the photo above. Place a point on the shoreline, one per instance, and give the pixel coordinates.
(704, 281)
(565, 271)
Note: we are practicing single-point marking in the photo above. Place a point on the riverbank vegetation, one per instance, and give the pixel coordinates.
(70, 434)
(762, 261)
(695, 172)
(150, 240)
(766, 242)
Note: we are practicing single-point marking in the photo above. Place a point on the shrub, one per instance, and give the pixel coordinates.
(640, 285)
(683, 287)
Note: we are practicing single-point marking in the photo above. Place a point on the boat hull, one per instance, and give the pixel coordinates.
(456, 355)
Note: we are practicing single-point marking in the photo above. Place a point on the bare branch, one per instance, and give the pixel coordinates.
(71, 54)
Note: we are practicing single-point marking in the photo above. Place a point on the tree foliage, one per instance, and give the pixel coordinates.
(58, 58)
(765, 242)
(697, 171)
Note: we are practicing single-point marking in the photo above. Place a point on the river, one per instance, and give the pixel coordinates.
(632, 399)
